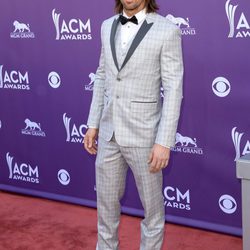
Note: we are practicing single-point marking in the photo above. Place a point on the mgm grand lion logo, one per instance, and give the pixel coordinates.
(21, 27)
(32, 125)
(184, 140)
(32, 128)
(186, 144)
(183, 24)
(179, 21)
(21, 30)
(90, 85)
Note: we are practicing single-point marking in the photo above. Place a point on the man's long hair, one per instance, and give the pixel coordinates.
(150, 5)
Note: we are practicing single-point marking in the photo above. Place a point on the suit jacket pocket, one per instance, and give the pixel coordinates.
(142, 107)
(144, 116)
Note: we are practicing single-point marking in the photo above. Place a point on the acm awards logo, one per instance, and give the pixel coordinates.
(75, 134)
(183, 24)
(238, 28)
(74, 29)
(22, 172)
(174, 198)
(33, 128)
(186, 144)
(237, 141)
(21, 30)
(90, 85)
(14, 79)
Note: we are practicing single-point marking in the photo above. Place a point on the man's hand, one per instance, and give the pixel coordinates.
(158, 158)
(90, 140)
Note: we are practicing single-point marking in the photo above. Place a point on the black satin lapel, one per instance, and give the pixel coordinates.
(112, 41)
(138, 38)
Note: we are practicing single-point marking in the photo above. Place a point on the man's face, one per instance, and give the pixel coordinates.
(133, 5)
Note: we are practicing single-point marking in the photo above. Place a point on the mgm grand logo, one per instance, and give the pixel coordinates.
(185, 144)
(33, 128)
(21, 30)
(183, 24)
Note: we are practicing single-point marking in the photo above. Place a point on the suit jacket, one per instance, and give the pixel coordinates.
(127, 99)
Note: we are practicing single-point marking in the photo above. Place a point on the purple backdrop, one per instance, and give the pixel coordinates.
(48, 56)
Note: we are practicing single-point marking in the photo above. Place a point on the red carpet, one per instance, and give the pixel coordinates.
(29, 223)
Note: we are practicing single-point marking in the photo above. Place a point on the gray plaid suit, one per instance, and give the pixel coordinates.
(127, 108)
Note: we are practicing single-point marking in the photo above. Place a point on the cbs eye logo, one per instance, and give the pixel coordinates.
(64, 177)
(221, 86)
(227, 204)
(54, 80)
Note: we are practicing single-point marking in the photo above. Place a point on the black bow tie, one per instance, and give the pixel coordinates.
(124, 19)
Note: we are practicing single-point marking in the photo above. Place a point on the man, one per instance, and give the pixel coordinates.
(140, 51)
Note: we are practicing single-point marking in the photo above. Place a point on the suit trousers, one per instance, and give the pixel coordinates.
(111, 169)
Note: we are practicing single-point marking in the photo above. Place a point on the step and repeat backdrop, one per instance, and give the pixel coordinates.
(49, 52)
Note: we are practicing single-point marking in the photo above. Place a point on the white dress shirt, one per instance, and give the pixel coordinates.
(129, 30)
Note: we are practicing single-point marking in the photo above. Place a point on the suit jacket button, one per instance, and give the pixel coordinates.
(119, 79)
(117, 97)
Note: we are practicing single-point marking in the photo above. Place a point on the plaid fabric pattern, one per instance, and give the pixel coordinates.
(131, 117)
(129, 101)
(111, 169)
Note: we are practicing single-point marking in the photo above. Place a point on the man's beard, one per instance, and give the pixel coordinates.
(132, 7)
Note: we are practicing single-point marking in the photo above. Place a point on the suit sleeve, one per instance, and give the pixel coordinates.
(172, 77)
(97, 103)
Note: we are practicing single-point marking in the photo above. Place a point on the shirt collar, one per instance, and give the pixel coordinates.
(141, 15)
